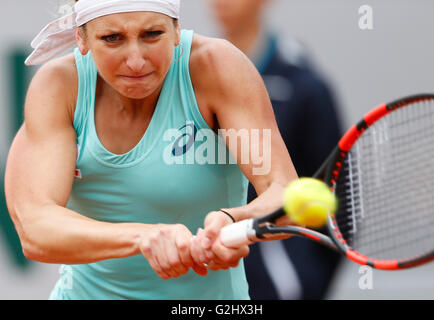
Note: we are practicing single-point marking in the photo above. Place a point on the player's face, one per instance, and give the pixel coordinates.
(234, 13)
(133, 51)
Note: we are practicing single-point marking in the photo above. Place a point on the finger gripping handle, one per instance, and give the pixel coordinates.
(237, 234)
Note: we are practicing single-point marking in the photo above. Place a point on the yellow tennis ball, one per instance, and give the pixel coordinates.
(308, 202)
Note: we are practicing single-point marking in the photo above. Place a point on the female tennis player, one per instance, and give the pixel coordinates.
(88, 181)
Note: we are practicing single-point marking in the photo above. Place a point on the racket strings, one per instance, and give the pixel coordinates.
(348, 227)
(411, 138)
(375, 236)
(386, 186)
(376, 199)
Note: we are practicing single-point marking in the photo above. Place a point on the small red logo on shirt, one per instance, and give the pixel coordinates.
(78, 174)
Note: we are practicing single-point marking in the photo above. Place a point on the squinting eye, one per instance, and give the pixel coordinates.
(153, 34)
(111, 38)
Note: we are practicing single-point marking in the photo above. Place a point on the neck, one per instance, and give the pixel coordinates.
(133, 109)
(244, 36)
(137, 107)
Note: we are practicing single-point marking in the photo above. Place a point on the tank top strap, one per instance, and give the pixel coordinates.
(87, 77)
(191, 108)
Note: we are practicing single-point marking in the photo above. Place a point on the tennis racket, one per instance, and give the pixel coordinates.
(382, 173)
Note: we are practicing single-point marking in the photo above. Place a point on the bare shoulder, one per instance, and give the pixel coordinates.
(54, 85)
(206, 47)
(221, 71)
(214, 57)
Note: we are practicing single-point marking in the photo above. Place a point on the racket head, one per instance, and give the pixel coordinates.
(384, 218)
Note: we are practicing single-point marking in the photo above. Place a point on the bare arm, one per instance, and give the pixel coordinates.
(39, 177)
(38, 182)
(238, 98)
(236, 95)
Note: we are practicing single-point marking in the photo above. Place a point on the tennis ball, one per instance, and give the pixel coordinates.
(308, 202)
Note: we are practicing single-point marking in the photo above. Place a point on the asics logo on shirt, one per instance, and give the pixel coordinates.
(188, 145)
(185, 141)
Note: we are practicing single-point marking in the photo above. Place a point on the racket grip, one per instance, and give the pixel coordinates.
(238, 234)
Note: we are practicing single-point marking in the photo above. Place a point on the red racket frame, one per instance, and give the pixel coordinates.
(330, 172)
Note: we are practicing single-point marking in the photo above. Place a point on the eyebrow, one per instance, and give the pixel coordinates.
(117, 31)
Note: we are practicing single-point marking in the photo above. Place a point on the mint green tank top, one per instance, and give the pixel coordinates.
(173, 175)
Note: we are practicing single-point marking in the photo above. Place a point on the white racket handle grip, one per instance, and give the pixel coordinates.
(238, 234)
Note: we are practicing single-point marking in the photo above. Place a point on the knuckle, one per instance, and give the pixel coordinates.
(153, 239)
(210, 255)
(181, 227)
(245, 252)
(174, 261)
(225, 258)
(165, 231)
(146, 249)
(182, 245)
(211, 232)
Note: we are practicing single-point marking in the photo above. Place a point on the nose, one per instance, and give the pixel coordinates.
(135, 59)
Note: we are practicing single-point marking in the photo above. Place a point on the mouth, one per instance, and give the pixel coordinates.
(136, 77)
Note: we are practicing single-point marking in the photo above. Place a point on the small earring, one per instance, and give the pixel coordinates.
(181, 54)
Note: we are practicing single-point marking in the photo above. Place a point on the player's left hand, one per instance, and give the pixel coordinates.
(206, 247)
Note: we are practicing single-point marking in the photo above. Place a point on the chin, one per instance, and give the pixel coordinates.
(137, 92)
